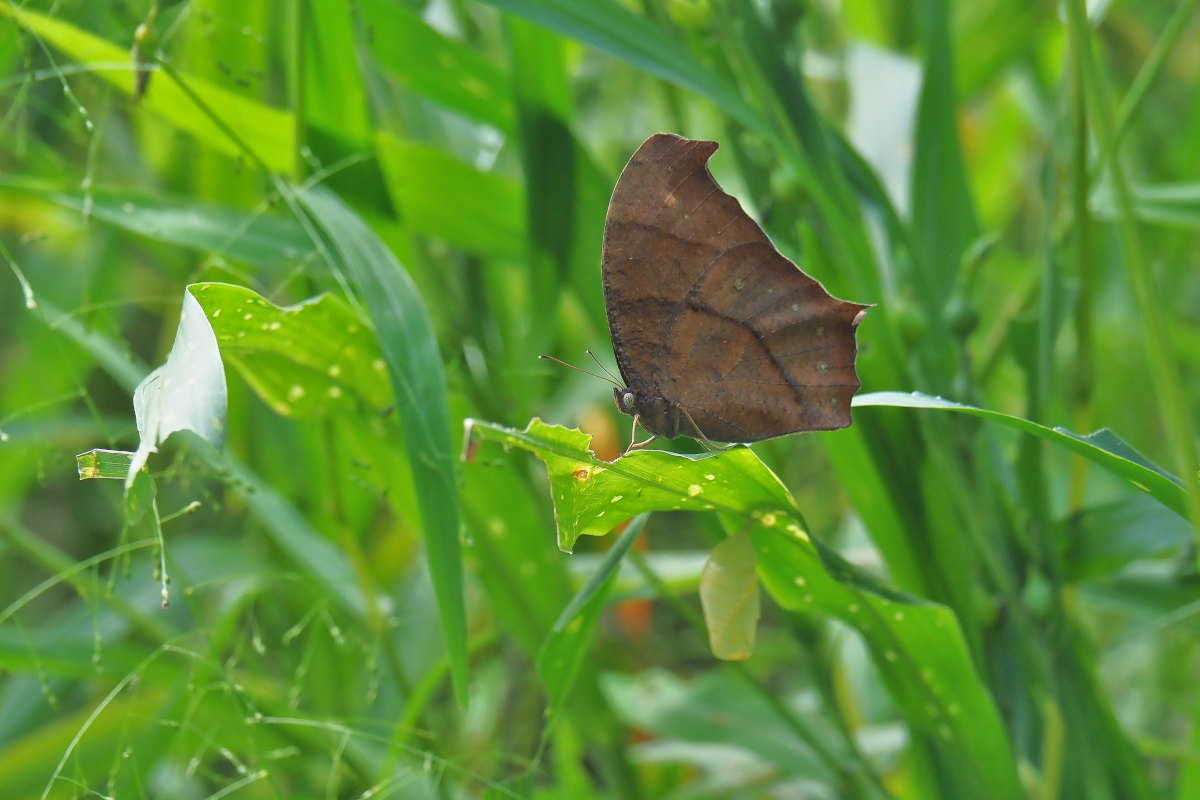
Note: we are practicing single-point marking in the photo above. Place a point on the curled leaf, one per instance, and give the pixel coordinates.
(729, 597)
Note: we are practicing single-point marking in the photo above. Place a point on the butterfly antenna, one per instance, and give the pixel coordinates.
(584, 371)
(601, 366)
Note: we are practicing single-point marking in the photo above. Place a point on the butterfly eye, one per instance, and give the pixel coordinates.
(627, 404)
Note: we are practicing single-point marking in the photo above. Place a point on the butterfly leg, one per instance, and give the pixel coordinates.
(705, 442)
(634, 444)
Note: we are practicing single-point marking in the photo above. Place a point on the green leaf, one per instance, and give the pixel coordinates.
(103, 464)
(563, 652)
(942, 207)
(270, 241)
(320, 561)
(336, 98)
(441, 196)
(729, 597)
(27, 762)
(918, 646)
(188, 392)
(1103, 448)
(713, 708)
(1105, 538)
(317, 357)
(551, 161)
(268, 132)
(1175, 204)
(462, 80)
(610, 27)
(592, 496)
(414, 363)
(526, 582)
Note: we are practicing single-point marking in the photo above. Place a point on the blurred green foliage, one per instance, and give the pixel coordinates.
(952, 608)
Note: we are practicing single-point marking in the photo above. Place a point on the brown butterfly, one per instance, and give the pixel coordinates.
(717, 335)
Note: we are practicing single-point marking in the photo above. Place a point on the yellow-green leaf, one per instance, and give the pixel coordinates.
(729, 597)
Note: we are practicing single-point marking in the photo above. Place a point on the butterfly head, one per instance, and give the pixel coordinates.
(626, 400)
(656, 414)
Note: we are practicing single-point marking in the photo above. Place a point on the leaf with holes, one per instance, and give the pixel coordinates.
(917, 646)
(592, 496)
(188, 392)
(314, 358)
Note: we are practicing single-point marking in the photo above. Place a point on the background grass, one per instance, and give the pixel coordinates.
(953, 608)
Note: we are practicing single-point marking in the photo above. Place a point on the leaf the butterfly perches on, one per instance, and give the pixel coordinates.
(717, 335)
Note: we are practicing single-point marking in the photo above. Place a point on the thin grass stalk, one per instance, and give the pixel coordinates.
(1168, 388)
